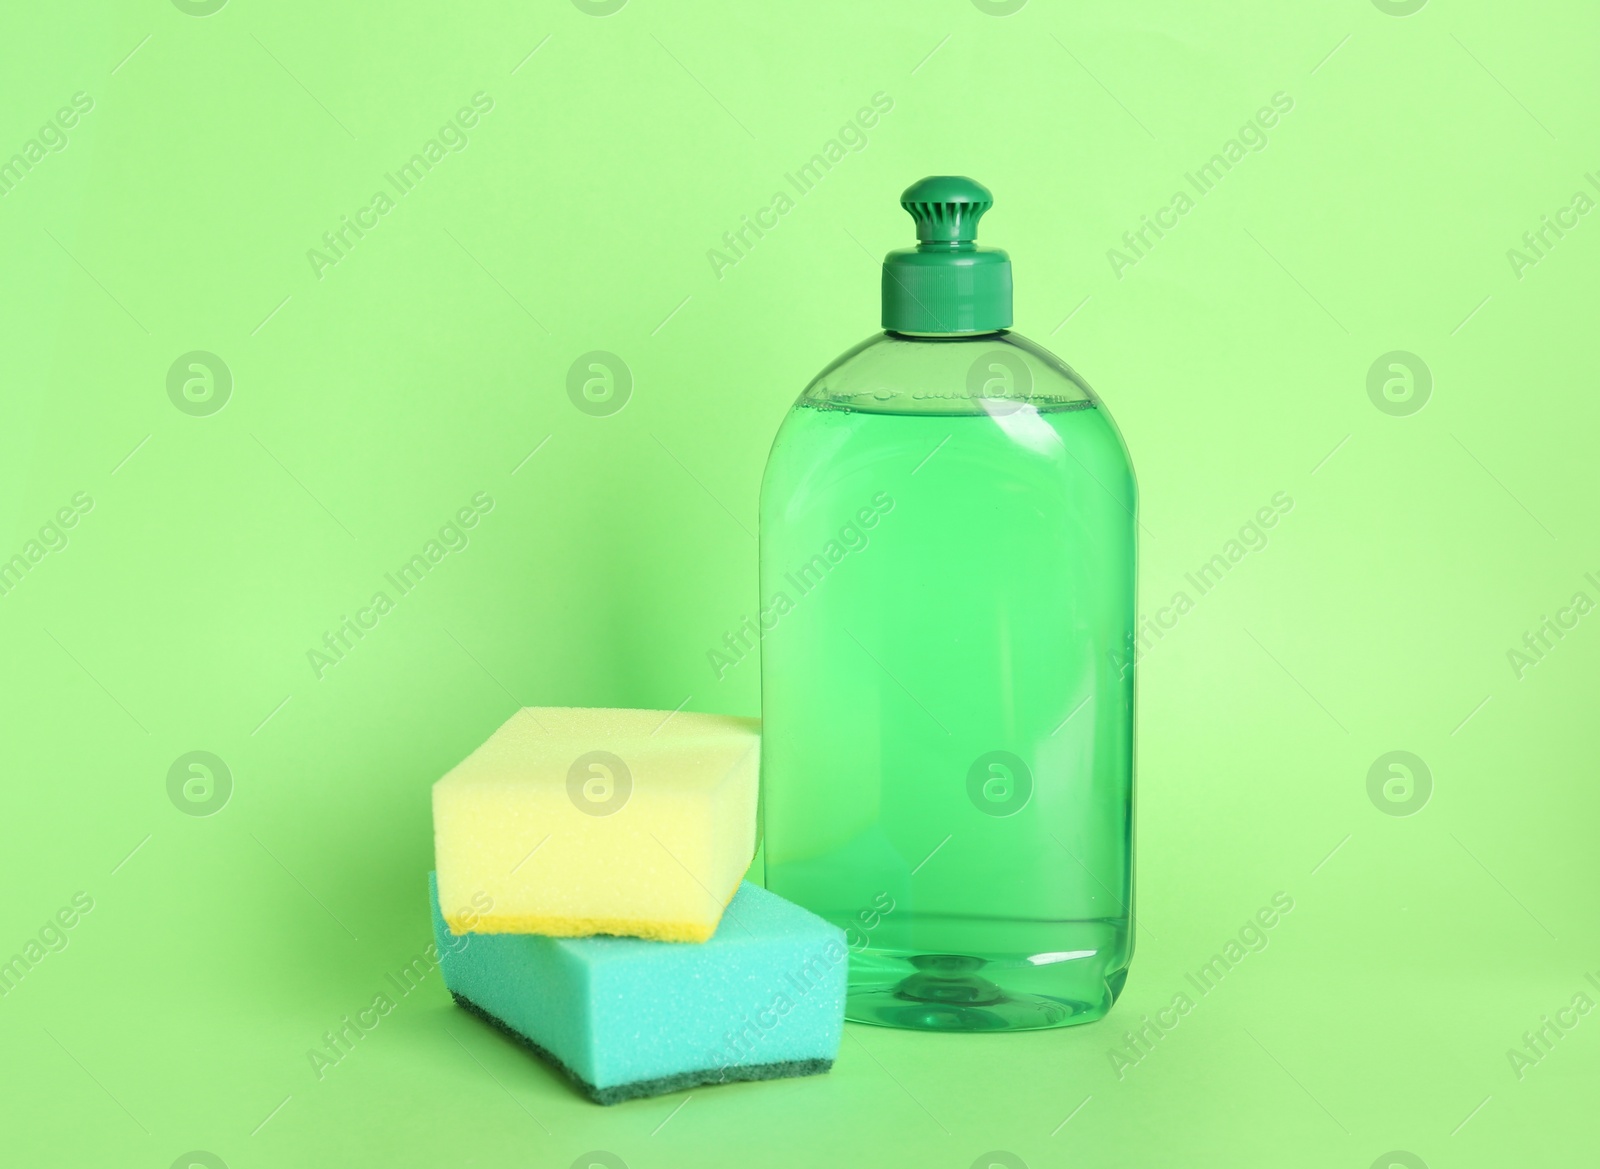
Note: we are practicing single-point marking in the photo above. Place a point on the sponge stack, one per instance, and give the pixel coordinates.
(571, 822)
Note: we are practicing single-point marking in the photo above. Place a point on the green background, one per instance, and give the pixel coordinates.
(431, 363)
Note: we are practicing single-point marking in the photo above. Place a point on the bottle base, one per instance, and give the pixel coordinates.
(957, 992)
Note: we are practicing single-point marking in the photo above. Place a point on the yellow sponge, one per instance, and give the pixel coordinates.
(571, 822)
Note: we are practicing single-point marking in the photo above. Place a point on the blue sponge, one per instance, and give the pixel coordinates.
(625, 1017)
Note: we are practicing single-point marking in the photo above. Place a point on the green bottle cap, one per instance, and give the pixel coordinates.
(947, 283)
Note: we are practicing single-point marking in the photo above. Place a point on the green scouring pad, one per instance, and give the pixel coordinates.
(625, 1017)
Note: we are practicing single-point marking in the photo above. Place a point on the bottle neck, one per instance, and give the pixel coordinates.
(978, 334)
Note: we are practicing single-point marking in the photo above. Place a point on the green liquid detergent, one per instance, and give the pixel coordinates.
(948, 540)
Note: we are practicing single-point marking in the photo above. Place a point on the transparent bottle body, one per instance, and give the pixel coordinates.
(947, 630)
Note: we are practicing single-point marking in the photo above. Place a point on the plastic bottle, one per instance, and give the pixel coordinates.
(948, 539)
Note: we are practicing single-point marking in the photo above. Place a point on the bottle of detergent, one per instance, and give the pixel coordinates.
(948, 539)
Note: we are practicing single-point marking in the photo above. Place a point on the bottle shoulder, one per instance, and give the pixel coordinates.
(894, 373)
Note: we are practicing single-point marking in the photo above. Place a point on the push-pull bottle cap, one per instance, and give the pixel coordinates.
(947, 283)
